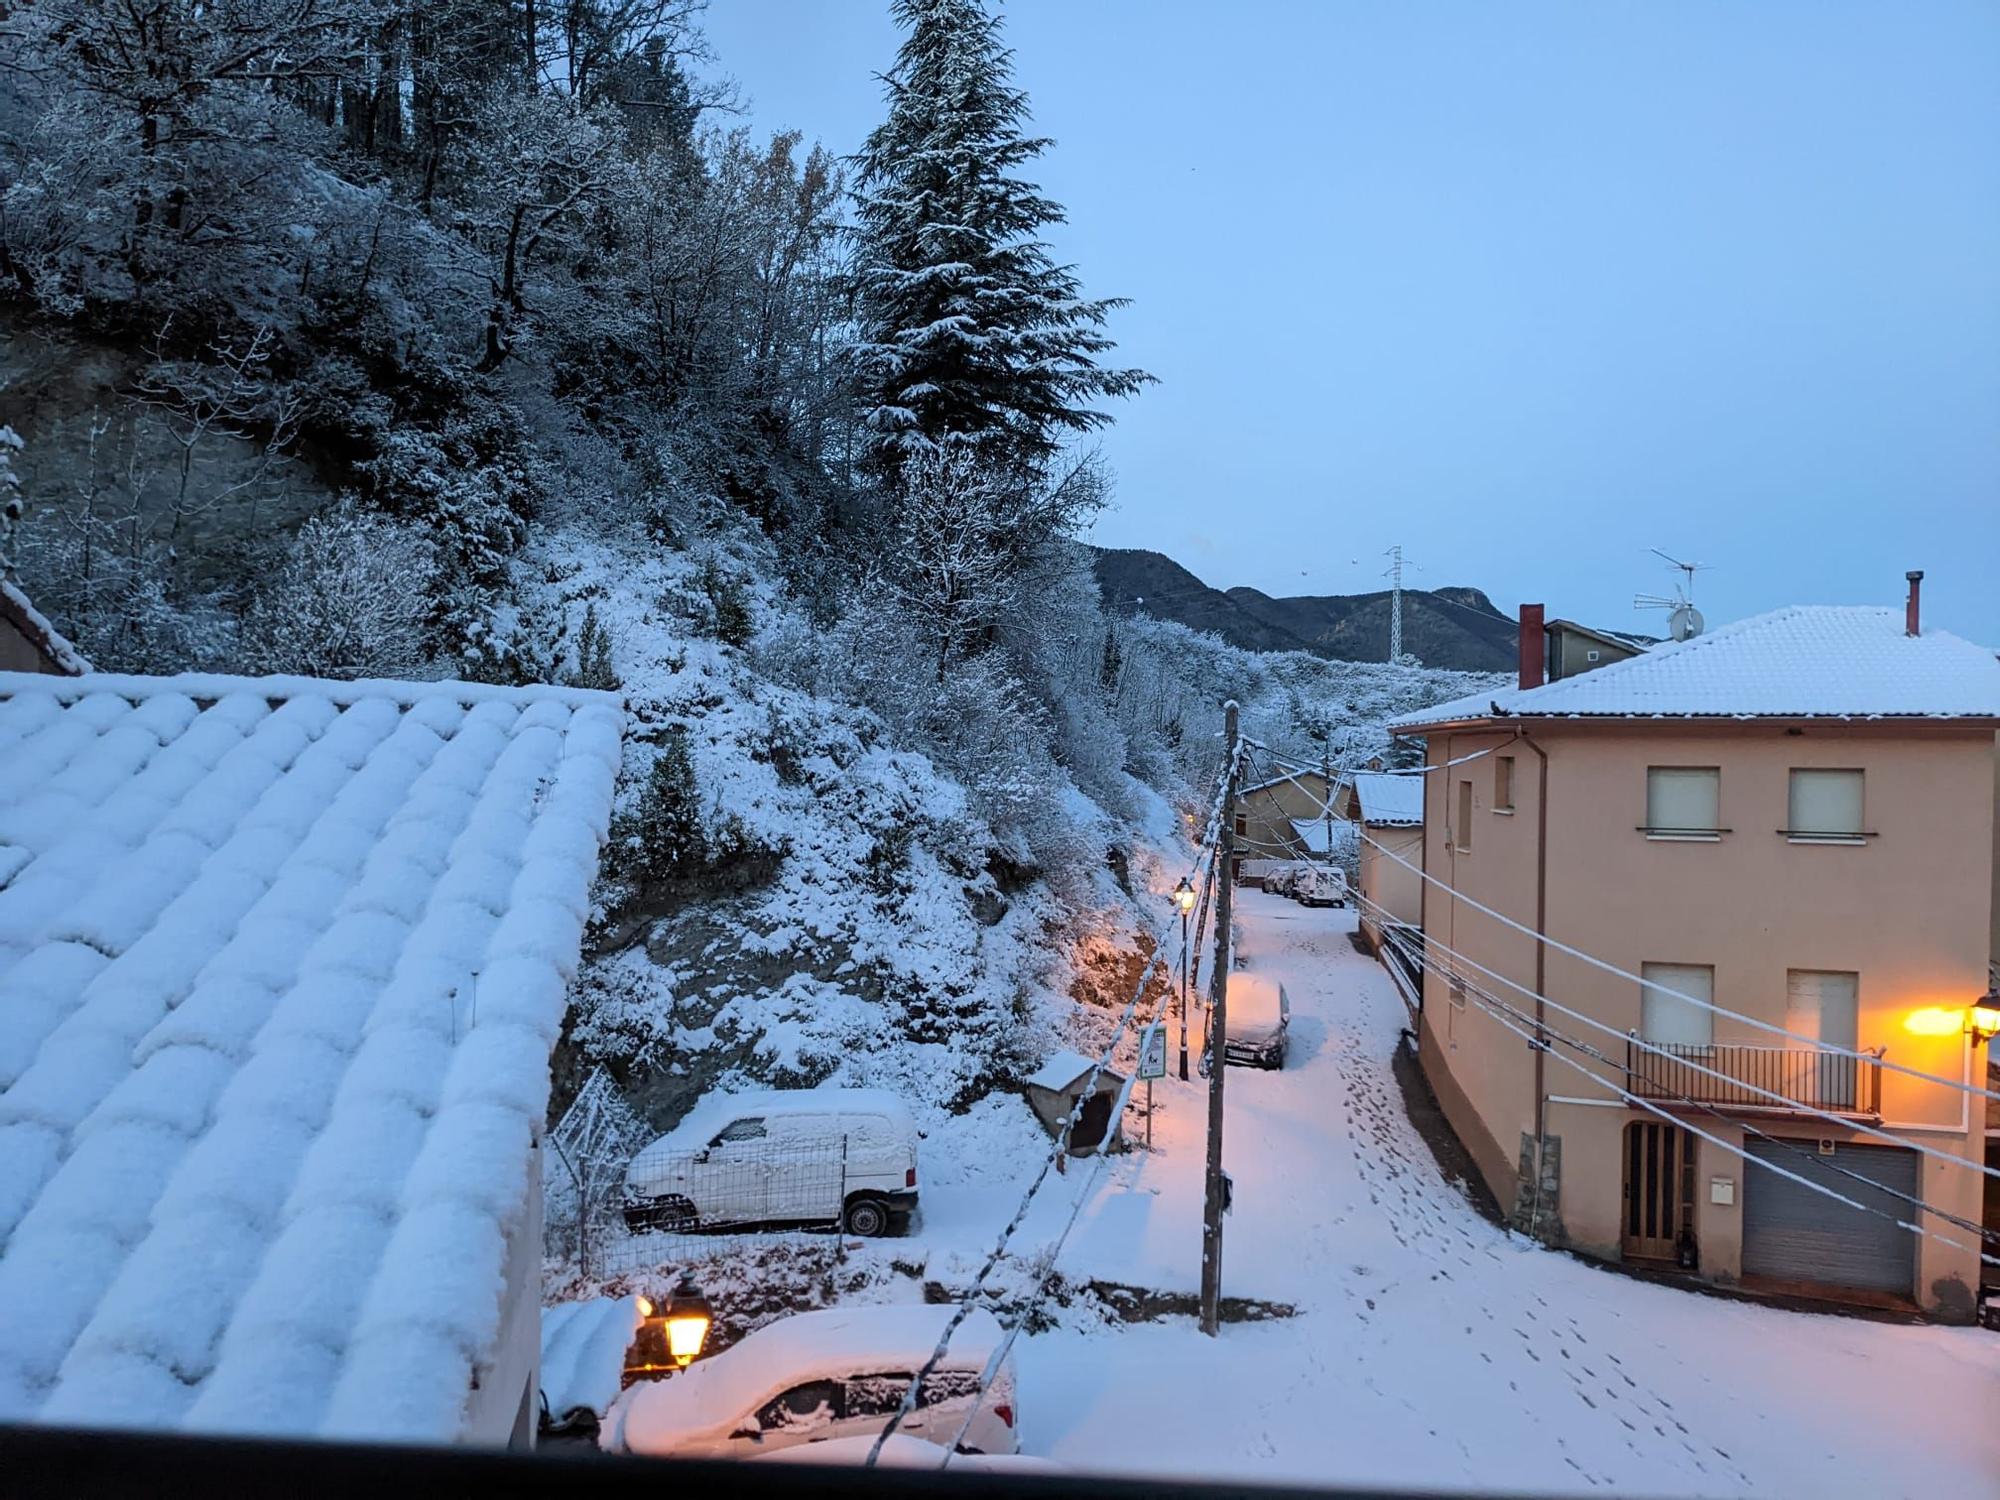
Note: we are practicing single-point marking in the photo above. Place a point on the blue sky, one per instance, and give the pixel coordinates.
(1527, 289)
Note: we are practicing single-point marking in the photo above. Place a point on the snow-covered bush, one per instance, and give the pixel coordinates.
(351, 599)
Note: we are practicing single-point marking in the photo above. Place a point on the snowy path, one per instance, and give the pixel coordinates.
(1432, 1348)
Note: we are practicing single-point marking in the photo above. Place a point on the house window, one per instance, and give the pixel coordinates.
(1242, 826)
(1503, 784)
(1825, 807)
(1824, 1005)
(1683, 802)
(1462, 829)
(1666, 1019)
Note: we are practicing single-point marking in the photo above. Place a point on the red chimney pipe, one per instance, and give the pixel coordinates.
(1534, 646)
(1911, 617)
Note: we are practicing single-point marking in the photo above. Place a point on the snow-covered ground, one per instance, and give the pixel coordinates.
(1432, 1349)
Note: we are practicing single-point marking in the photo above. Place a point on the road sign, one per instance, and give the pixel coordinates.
(1153, 1052)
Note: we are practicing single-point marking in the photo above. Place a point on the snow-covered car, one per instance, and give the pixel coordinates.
(911, 1453)
(781, 1156)
(1322, 886)
(1278, 879)
(1259, 1021)
(824, 1376)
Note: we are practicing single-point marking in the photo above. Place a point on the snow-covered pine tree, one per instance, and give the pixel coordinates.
(969, 330)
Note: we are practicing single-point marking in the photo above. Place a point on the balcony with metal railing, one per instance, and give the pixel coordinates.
(1746, 1078)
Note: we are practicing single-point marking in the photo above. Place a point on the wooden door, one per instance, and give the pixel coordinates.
(1659, 1189)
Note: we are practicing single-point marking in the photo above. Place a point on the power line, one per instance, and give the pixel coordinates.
(1772, 1095)
(1608, 967)
(1204, 862)
(1432, 944)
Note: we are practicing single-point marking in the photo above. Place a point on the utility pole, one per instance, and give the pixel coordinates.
(1218, 1040)
(1326, 789)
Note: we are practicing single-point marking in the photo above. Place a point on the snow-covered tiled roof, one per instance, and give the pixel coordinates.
(1390, 801)
(1808, 661)
(281, 965)
(17, 610)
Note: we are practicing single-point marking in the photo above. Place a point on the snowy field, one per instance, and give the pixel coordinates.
(1432, 1349)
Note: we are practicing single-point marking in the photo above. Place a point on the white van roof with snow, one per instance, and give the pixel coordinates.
(715, 1111)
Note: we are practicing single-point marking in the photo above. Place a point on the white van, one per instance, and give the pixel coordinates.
(784, 1156)
(1321, 886)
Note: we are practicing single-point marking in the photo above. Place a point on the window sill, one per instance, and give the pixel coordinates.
(1504, 812)
(1672, 836)
(1846, 840)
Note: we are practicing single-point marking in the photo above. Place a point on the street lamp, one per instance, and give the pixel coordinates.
(669, 1337)
(1184, 899)
(1983, 1020)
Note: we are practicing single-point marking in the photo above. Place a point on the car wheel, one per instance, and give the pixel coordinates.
(673, 1214)
(868, 1217)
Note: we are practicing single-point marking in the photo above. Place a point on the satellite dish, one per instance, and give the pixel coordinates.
(1685, 623)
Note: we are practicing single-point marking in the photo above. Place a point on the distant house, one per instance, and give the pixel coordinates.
(1390, 810)
(1573, 648)
(281, 965)
(1791, 818)
(1286, 819)
(28, 642)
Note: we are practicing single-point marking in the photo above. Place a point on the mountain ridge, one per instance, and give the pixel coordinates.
(1457, 626)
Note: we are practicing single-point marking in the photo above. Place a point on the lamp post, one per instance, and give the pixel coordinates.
(1983, 1019)
(1184, 899)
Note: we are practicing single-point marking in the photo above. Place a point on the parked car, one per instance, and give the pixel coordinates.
(787, 1156)
(1322, 886)
(823, 1376)
(1258, 1022)
(1278, 879)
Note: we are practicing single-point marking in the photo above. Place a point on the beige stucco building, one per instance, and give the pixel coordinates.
(1284, 818)
(1792, 818)
(1390, 810)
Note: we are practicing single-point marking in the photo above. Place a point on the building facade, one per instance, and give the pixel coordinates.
(1791, 820)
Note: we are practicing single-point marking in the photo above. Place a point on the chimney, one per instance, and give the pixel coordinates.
(1911, 616)
(1534, 646)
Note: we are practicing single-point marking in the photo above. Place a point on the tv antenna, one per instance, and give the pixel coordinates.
(1684, 621)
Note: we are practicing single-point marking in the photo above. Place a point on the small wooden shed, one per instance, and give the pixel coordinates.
(1054, 1088)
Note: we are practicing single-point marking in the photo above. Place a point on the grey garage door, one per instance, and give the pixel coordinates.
(1792, 1233)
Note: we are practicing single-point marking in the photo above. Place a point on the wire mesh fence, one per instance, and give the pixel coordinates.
(618, 1203)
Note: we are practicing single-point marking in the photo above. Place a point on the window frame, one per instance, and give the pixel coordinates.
(1461, 833)
(1503, 785)
(724, 1138)
(1646, 989)
(1855, 837)
(1675, 834)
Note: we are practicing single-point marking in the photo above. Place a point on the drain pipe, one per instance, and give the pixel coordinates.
(1541, 971)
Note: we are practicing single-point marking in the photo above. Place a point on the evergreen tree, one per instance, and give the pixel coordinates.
(969, 331)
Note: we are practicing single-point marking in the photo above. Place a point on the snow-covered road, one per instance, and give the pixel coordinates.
(1432, 1349)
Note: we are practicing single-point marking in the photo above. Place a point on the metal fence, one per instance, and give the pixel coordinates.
(1804, 1076)
(615, 1206)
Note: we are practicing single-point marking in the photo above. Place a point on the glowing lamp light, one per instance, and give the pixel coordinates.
(688, 1319)
(1184, 896)
(1983, 1020)
(1934, 1020)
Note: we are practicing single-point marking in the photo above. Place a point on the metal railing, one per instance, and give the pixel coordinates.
(1803, 1076)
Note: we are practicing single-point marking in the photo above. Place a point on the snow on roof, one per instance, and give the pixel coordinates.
(714, 1111)
(831, 1344)
(281, 964)
(1313, 833)
(1060, 1071)
(1288, 779)
(1390, 801)
(16, 609)
(1808, 661)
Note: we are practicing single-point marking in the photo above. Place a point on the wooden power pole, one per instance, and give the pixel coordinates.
(1218, 1039)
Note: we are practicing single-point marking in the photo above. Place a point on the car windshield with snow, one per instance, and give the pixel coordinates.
(1259, 1021)
(823, 1376)
(845, 1157)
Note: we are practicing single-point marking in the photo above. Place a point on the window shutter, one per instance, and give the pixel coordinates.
(1826, 802)
(1683, 797)
(1673, 1022)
